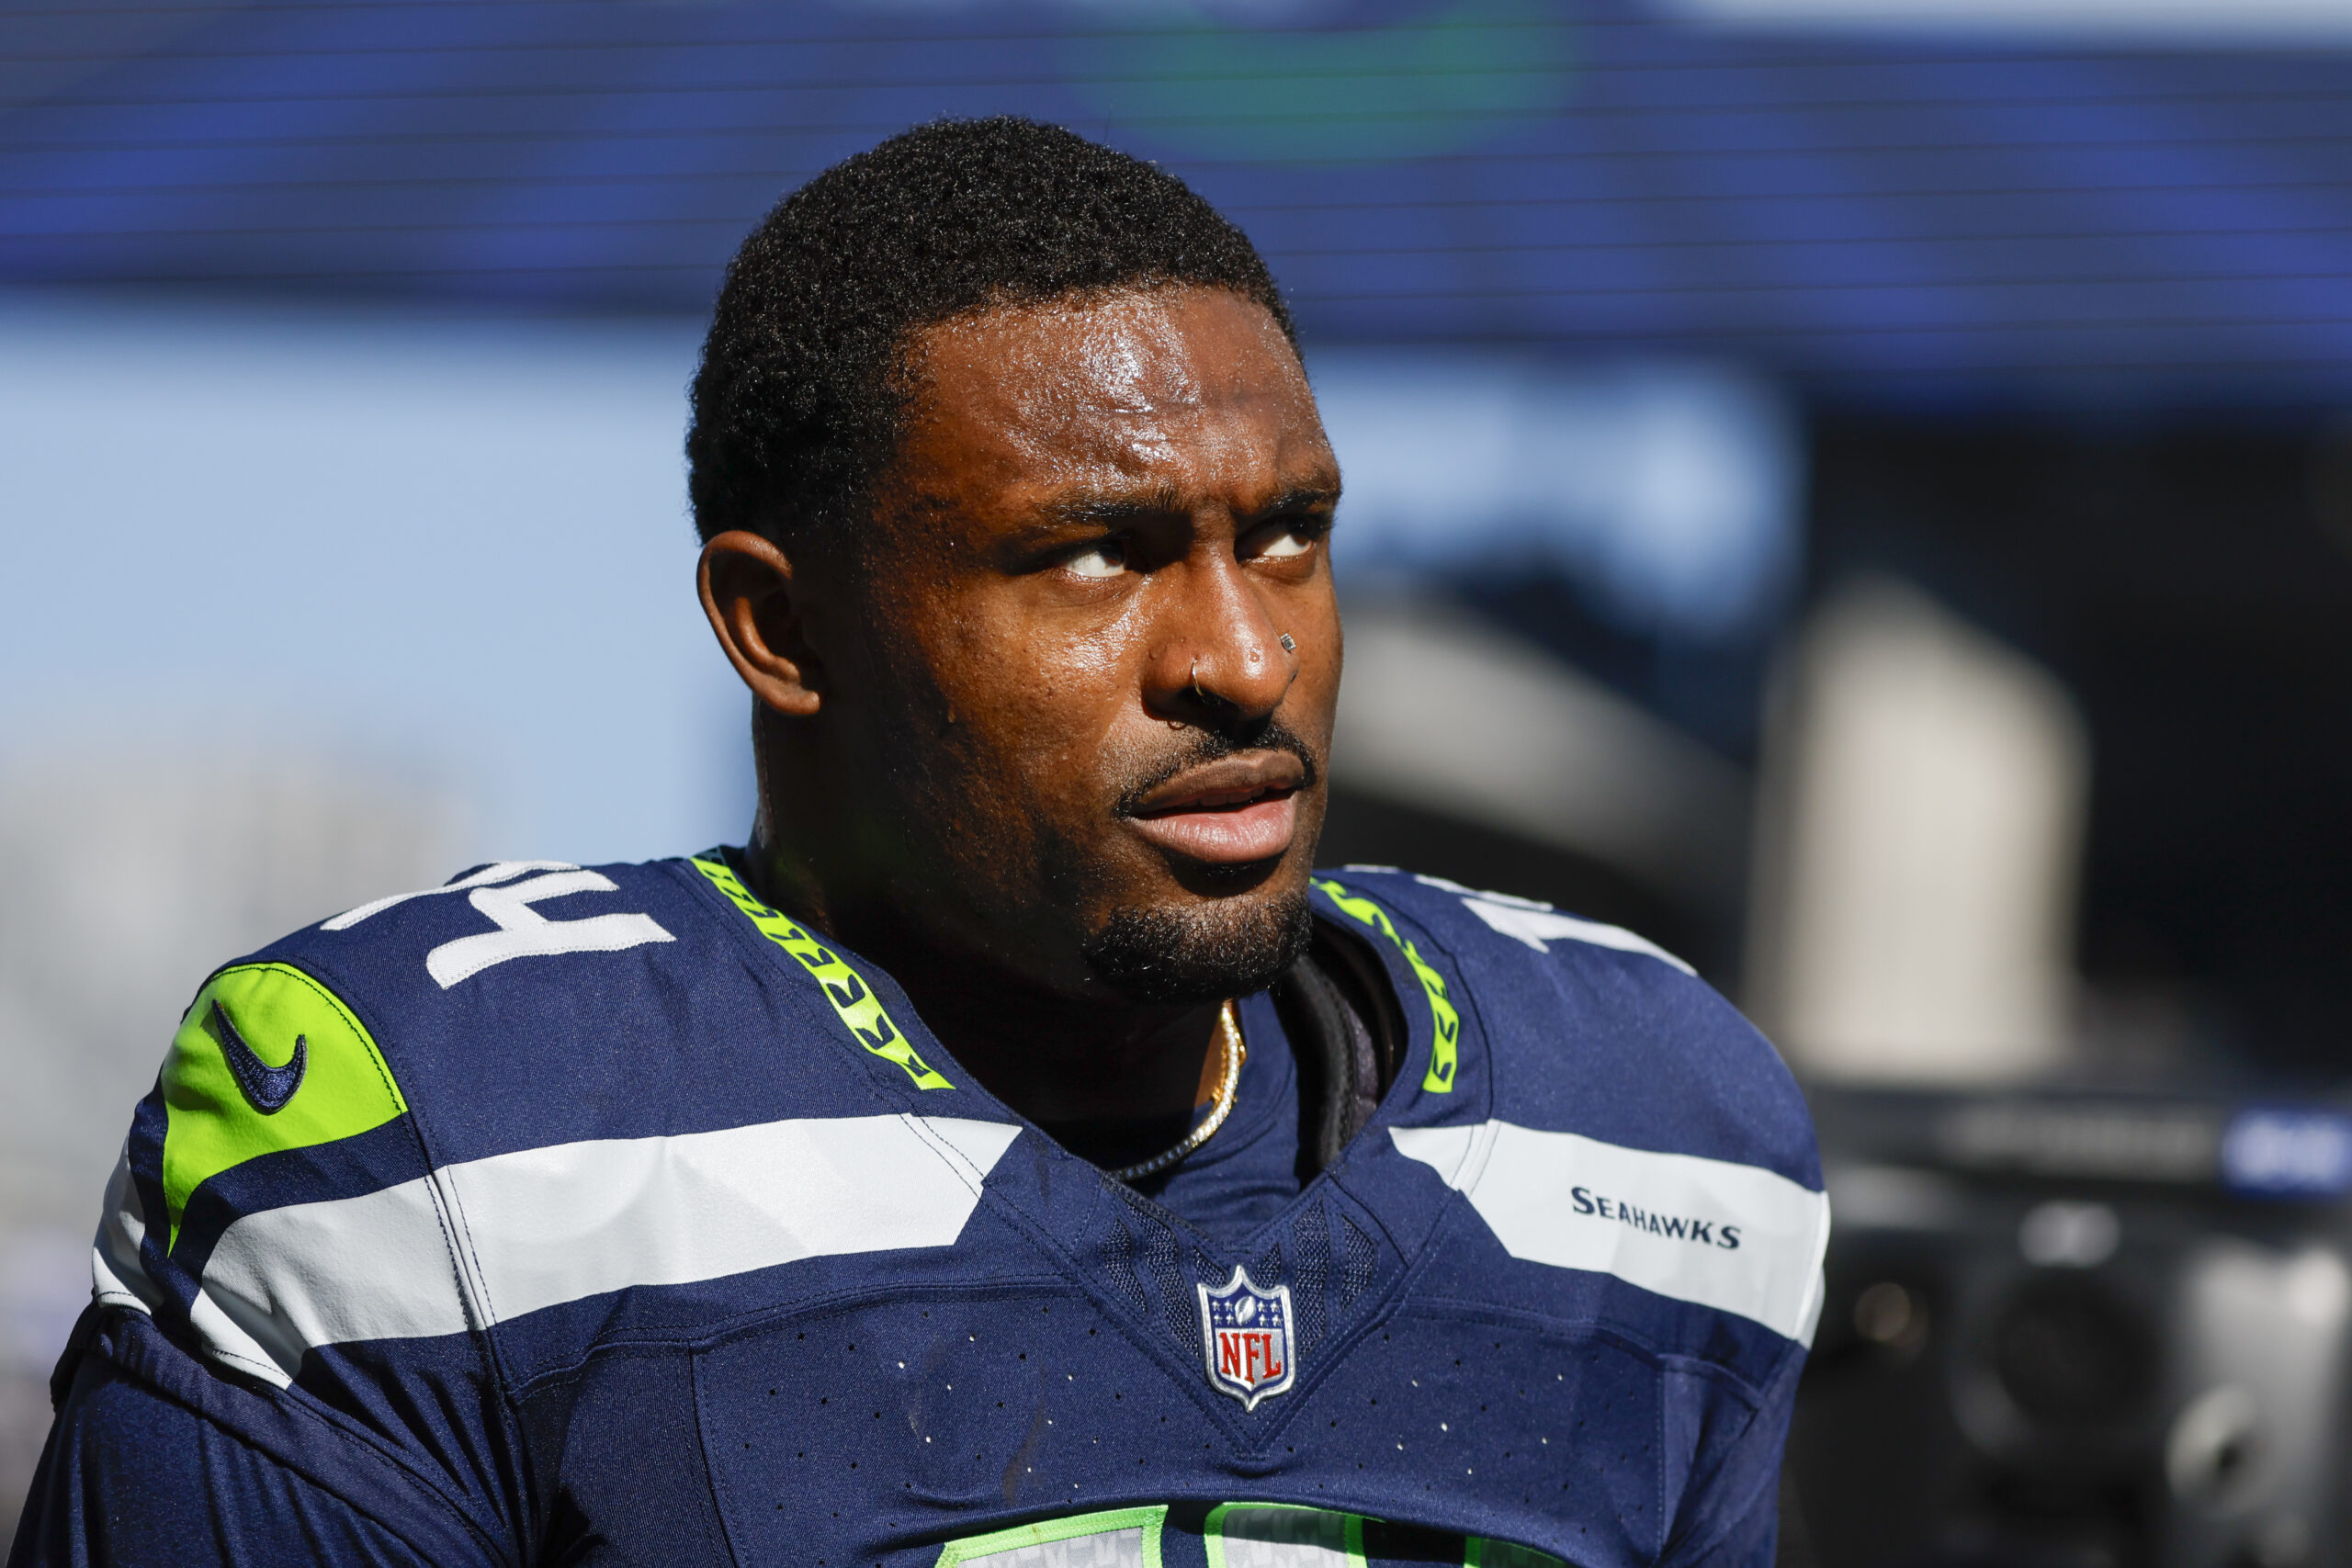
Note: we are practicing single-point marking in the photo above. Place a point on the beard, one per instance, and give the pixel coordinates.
(1202, 954)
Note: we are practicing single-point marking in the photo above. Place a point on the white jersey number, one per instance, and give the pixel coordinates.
(522, 931)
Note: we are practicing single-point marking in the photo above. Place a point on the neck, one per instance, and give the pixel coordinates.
(1049, 1056)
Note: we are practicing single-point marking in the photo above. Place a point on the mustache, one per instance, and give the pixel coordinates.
(1215, 745)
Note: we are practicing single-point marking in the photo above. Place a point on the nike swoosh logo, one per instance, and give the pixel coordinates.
(265, 1088)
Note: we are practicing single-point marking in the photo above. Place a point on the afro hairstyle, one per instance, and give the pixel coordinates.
(797, 403)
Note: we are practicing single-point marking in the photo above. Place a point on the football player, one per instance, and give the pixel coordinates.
(1014, 1154)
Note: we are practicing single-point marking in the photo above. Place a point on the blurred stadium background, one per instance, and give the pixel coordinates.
(1893, 447)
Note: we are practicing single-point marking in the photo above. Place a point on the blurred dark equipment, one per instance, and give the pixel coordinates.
(2069, 1330)
(2189, 581)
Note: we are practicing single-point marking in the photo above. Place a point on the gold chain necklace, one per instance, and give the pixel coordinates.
(1235, 1052)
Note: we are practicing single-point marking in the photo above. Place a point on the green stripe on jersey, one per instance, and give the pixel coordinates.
(1093, 1539)
(1445, 1023)
(213, 1124)
(853, 999)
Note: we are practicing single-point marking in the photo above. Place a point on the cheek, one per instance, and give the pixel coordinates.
(1031, 712)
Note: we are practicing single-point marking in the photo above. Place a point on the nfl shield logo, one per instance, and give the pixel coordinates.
(1246, 1332)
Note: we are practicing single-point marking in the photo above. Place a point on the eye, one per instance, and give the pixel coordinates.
(1284, 538)
(1108, 558)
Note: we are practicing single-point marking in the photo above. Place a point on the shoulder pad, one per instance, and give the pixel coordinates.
(1597, 1031)
(1525, 920)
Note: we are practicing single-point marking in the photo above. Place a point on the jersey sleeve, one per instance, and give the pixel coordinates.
(279, 1362)
(1642, 1131)
(157, 1461)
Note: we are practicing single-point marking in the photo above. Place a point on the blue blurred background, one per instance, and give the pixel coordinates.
(1854, 487)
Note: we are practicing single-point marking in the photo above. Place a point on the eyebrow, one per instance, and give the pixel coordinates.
(1109, 510)
(1106, 511)
(1302, 498)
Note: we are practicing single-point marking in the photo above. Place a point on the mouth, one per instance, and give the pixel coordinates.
(1229, 812)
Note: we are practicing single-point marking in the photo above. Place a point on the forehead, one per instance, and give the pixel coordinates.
(1192, 388)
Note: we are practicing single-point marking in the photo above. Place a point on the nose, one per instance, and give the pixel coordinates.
(1221, 661)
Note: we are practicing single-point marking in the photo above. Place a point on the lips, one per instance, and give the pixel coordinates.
(1228, 812)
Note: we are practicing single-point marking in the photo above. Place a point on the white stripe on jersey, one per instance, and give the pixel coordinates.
(1736, 1237)
(539, 1227)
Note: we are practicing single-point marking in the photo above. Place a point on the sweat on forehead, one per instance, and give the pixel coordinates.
(795, 405)
(1114, 412)
(1122, 366)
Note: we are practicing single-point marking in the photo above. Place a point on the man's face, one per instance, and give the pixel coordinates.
(1093, 758)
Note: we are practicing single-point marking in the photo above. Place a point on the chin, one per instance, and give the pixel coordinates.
(1191, 950)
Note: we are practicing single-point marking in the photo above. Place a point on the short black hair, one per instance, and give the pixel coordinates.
(796, 404)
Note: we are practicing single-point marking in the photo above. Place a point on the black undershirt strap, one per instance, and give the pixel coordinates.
(1348, 1036)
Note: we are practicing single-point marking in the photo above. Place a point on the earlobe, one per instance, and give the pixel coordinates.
(747, 592)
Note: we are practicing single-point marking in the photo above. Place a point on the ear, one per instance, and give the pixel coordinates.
(749, 593)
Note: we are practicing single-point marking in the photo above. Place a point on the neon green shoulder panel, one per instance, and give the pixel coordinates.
(1446, 1023)
(853, 999)
(271, 1011)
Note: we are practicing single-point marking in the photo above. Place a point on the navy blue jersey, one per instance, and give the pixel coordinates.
(564, 1215)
